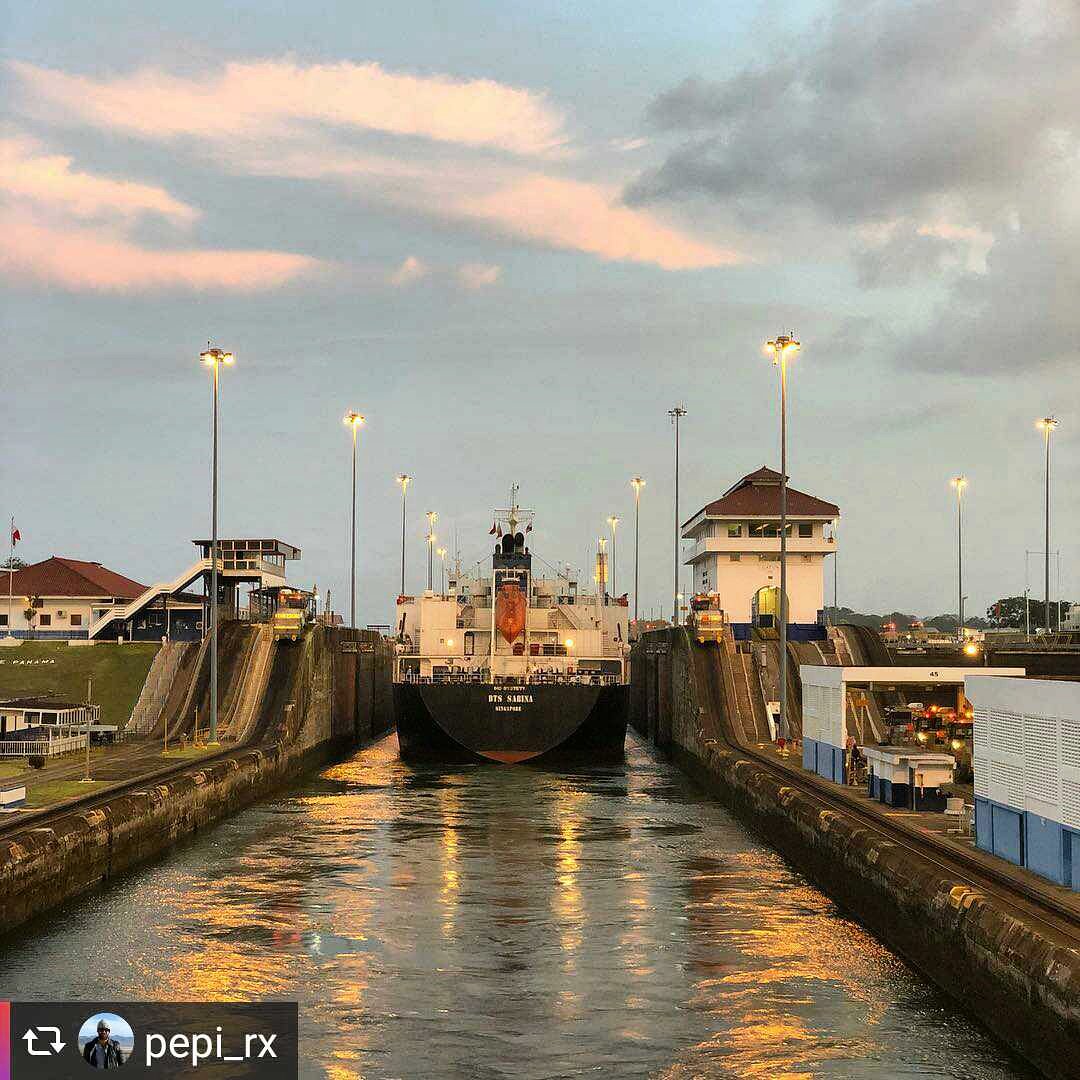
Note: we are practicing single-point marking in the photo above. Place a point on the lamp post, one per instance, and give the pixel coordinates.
(676, 414)
(353, 420)
(637, 484)
(613, 521)
(441, 552)
(1046, 425)
(432, 517)
(213, 358)
(959, 483)
(780, 348)
(403, 480)
(602, 566)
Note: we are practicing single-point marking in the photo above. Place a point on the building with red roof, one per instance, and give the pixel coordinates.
(59, 598)
(736, 552)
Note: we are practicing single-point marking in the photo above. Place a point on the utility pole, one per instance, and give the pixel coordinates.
(89, 709)
(676, 414)
(403, 480)
(214, 358)
(780, 348)
(353, 420)
(637, 484)
(1047, 425)
(959, 482)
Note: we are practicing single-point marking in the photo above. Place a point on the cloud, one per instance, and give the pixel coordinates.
(91, 259)
(267, 97)
(878, 118)
(478, 275)
(580, 216)
(411, 270)
(940, 143)
(257, 118)
(29, 173)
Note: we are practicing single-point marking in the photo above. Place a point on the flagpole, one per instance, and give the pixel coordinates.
(11, 575)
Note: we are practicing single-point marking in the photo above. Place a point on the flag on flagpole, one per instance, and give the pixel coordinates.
(16, 536)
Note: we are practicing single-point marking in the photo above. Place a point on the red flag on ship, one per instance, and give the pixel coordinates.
(16, 536)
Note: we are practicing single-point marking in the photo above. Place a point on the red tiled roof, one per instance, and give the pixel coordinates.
(758, 495)
(72, 577)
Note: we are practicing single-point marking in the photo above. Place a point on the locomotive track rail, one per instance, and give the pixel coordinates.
(1025, 898)
(44, 817)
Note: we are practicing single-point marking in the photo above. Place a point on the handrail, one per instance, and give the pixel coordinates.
(533, 678)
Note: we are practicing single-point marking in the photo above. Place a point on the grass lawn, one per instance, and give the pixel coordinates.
(118, 671)
(11, 769)
(54, 791)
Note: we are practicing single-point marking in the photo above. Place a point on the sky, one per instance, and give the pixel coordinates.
(514, 236)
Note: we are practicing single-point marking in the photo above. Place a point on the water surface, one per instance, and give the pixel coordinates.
(507, 922)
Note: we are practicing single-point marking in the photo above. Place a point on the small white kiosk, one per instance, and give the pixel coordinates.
(906, 776)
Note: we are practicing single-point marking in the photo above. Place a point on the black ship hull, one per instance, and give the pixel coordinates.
(507, 723)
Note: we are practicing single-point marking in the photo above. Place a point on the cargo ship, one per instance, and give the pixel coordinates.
(508, 666)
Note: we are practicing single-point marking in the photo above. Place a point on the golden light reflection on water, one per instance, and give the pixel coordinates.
(566, 900)
(445, 924)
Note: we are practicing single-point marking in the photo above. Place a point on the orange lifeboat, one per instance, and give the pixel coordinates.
(510, 612)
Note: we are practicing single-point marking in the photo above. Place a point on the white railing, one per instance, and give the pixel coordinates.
(53, 746)
(549, 678)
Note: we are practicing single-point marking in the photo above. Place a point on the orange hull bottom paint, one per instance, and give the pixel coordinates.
(509, 757)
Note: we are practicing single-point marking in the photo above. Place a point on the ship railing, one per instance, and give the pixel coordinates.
(583, 678)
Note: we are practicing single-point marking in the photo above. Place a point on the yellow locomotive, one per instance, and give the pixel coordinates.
(706, 618)
(292, 615)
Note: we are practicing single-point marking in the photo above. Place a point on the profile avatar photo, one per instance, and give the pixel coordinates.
(106, 1040)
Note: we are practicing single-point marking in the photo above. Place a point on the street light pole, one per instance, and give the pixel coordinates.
(432, 517)
(780, 348)
(353, 420)
(403, 480)
(442, 556)
(214, 358)
(959, 482)
(1047, 424)
(637, 484)
(676, 414)
(613, 521)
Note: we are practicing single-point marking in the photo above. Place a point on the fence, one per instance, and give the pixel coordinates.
(51, 746)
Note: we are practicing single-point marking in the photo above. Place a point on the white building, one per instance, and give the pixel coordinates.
(736, 551)
(1027, 773)
(60, 598)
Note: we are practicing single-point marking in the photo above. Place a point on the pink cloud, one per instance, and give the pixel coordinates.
(478, 275)
(27, 172)
(90, 259)
(267, 96)
(411, 270)
(588, 217)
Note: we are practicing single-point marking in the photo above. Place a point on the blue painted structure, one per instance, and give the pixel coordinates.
(825, 760)
(1027, 768)
(1039, 843)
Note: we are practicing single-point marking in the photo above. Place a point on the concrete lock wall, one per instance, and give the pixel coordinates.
(69, 851)
(1021, 985)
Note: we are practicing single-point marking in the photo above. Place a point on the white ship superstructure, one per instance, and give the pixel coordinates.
(508, 626)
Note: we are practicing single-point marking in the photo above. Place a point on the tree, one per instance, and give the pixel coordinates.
(31, 610)
(13, 562)
(1008, 612)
